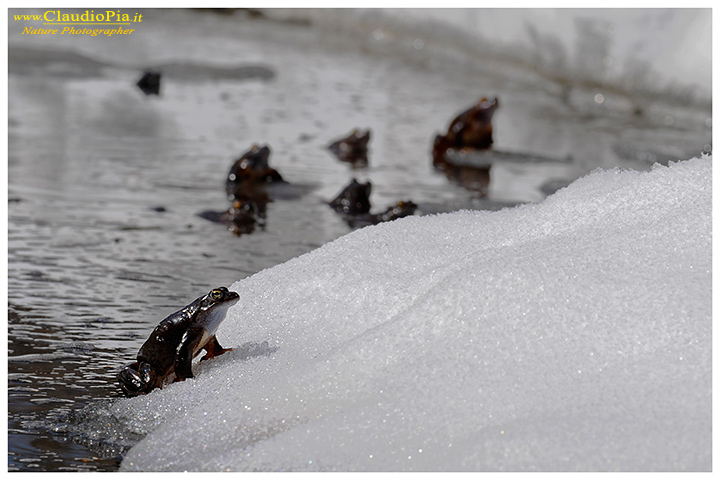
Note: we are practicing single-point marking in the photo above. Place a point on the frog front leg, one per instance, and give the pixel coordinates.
(213, 349)
(185, 352)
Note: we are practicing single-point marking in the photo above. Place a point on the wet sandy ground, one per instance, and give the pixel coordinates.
(105, 183)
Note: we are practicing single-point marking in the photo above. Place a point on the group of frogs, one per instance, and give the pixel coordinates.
(252, 183)
(167, 355)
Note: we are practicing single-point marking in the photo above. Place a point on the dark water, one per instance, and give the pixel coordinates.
(105, 183)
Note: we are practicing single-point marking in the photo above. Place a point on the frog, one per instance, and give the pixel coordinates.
(399, 210)
(167, 355)
(150, 82)
(250, 173)
(470, 130)
(354, 199)
(353, 148)
(393, 212)
(353, 204)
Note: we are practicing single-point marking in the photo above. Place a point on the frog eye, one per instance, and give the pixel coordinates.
(217, 294)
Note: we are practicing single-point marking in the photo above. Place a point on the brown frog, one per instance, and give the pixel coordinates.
(353, 203)
(167, 355)
(393, 212)
(354, 199)
(353, 148)
(250, 174)
(472, 129)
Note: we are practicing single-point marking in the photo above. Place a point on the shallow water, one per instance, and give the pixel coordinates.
(105, 184)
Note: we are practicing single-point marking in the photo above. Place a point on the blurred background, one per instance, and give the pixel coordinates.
(106, 182)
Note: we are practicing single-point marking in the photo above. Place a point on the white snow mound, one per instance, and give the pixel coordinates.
(573, 334)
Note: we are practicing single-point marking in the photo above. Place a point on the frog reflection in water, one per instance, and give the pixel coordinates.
(176, 341)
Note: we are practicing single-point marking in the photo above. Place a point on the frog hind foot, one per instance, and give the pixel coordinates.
(136, 379)
(213, 349)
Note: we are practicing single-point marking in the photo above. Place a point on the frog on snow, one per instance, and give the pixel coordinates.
(168, 353)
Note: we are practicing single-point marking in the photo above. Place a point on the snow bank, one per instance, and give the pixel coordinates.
(574, 334)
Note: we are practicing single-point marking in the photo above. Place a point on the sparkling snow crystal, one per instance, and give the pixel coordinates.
(572, 334)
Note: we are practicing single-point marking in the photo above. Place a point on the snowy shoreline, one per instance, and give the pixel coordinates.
(572, 334)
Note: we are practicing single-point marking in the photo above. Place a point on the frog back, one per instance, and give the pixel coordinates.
(159, 349)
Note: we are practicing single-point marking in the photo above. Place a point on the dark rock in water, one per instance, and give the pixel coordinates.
(353, 148)
(354, 198)
(472, 130)
(150, 83)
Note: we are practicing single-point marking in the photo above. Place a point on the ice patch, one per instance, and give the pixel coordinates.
(573, 334)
